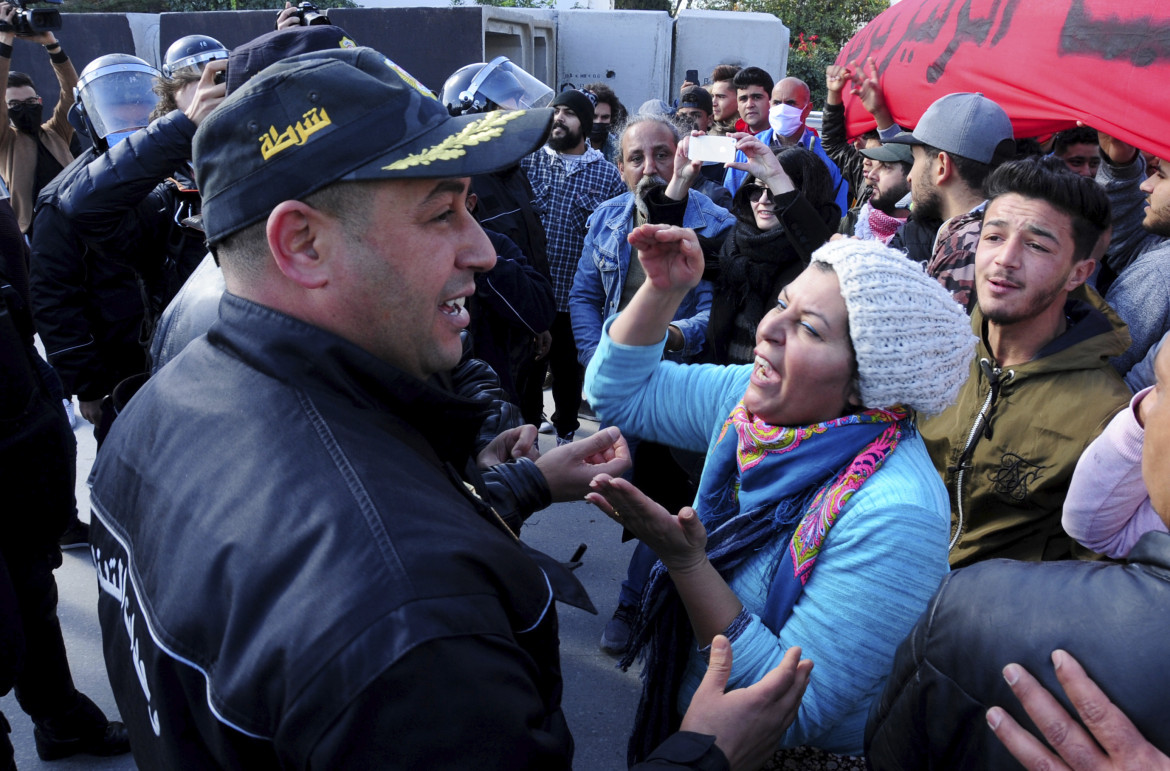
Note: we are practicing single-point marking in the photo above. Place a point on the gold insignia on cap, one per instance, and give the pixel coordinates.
(346, 43)
(312, 121)
(410, 80)
(453, 147)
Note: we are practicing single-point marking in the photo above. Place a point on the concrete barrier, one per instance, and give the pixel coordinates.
(640, 54)
(704, 39)
(627, 50)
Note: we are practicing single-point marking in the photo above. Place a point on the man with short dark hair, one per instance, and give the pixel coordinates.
(724, 104)
(569, 181)
(958, 141)
(32, 151)
(753, 86)
(295, 566)
(1040, 387)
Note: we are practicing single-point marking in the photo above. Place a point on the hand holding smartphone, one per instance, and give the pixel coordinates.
(717, 149)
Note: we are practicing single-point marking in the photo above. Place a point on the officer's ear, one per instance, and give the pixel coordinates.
(299, 238)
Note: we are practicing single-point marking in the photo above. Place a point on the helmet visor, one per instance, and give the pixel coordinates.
(193, 65)
(118, 99)
(512, 88)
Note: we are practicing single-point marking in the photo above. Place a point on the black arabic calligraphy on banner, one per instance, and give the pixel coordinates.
(922, 29)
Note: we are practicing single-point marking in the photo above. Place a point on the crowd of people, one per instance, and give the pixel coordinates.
(885, 414)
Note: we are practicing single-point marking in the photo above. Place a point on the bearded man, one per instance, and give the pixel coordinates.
(655, 168)
(569, 180)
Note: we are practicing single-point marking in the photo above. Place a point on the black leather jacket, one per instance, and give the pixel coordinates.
(948, 672)
(88, 308)
(514, 489)
(296, 571)
(136, 204)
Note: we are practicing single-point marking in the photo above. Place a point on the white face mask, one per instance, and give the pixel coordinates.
(785, 119)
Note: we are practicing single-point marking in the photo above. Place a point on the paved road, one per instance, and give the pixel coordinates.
(599, 699)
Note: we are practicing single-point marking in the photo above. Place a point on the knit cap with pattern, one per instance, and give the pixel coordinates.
(913, 343)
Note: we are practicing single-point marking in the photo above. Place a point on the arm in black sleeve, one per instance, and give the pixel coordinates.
(686, 749)
(515, 290)
(712, 247)
(806, 227)
(475, 379)
(836, 146)
(515, 489)
(665, 211)
(62, 308)
(102, 200)
(452, 703)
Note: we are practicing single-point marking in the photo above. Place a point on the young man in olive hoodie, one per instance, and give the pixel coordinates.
(1040, 387)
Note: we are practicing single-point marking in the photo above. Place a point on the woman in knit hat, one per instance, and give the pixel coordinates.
(774, 236)
(820, 521)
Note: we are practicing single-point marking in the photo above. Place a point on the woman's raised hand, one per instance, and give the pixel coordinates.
(680, 542)
(670, 256)
(761, 163)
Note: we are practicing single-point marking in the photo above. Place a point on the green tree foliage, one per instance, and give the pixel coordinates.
(819, 30)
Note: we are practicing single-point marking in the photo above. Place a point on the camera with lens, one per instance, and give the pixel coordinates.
(31, 21)
(310, 14)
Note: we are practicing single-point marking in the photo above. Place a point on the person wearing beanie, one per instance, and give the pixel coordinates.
(580, 105)
(569, 181)
(819, 519)
(1042, 388)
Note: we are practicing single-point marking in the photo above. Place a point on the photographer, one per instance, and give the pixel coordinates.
(32, 152)
(301, 15)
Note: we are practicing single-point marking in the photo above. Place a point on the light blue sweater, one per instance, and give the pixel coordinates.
(880, 564)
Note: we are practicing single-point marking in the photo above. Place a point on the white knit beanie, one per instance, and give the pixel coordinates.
(913, 342)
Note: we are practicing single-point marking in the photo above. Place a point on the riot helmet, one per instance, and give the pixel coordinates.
(113, 98)
(498, 84)
(188, 55)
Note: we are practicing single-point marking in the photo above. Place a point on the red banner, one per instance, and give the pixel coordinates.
(1048, 63)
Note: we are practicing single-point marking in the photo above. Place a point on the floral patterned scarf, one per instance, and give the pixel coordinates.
(770, 482)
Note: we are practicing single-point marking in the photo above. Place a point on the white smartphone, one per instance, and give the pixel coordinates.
(718, 149)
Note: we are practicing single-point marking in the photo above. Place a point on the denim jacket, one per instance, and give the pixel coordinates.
(605, 262)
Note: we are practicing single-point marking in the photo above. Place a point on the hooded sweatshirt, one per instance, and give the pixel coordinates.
(1006, 449)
